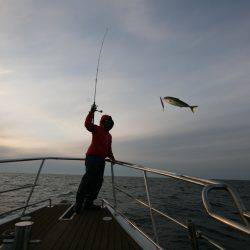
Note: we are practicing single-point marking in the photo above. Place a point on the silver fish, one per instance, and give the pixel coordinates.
(176, 102)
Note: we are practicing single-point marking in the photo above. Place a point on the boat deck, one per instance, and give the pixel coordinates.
(85, 231)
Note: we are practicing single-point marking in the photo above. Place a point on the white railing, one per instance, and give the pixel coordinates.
(194, 235)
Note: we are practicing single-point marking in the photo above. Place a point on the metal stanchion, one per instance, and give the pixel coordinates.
(150, 208)
(192, 235)
(113, 184)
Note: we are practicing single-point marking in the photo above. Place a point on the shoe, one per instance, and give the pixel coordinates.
(91, 207)
(78, 208)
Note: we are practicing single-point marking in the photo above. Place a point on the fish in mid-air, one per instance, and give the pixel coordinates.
(176, 102)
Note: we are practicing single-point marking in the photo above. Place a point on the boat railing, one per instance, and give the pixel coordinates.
(194, 235)
(32, 186)
(26, 206)
(208, 185)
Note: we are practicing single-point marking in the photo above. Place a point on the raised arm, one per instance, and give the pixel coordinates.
(89, 119)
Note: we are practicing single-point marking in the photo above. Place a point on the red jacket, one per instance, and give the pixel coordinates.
(101, 138)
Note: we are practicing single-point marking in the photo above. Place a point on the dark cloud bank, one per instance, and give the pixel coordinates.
(219, 149)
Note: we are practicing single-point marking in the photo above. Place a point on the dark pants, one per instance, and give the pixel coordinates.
(91, 182)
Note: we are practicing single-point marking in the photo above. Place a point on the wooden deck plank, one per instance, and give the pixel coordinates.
(47, 220)
(83, 221)
(74, 234)
(84, 231)
(116, 236)
(102, 233)
(52, 236)
(124, 243)
(53, 232)
(70, 233)
(110, 241)
(39, 216)
(93, 228)
(97, 235)
(88, 217)
(106, 233)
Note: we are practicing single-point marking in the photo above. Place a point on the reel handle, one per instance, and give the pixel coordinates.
(96, 110)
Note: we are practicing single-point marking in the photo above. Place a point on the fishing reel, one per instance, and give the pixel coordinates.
(94, 108)
(100, 111)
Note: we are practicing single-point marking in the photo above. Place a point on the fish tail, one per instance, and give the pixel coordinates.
(193, 108)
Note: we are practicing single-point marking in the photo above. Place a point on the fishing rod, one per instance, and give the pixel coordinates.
(97, 70)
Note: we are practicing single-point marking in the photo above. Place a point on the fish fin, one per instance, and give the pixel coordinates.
(193, 108)
(162, 104)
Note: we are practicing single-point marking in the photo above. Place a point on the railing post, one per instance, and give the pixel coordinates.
(192, 235)
(113, 184)
(150, 208)
(33, 187)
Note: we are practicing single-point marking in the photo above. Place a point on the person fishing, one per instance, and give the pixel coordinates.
(99, 149)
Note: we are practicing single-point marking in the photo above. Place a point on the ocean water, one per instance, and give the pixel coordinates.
(179, 200)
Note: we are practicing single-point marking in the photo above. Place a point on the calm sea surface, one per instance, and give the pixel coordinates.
(180, 200)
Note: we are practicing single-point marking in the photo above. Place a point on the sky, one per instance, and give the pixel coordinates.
(198, 51)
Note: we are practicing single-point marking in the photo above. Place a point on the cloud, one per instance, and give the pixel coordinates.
(8, 152)
(5, 71)
(2, 93)
(48, 61)
(137, 18)
(207, 151)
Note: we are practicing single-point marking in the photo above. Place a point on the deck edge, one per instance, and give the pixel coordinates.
(132, 230)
